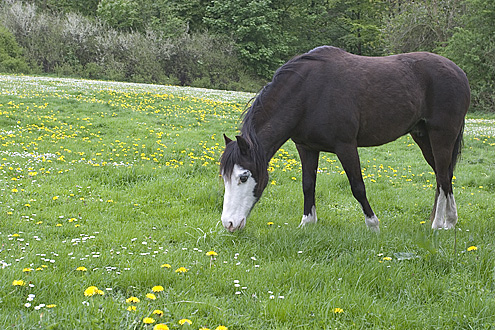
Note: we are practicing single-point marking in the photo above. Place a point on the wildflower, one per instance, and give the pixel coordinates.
(82, 269)
(131, 308)
(93, 290)
(166, 266)
(148, 320)
(472, 248)
(150, 296)
(157, 312)
(221, 327)
(337, 310)
(386, 258)
(27, 270)
(203, 328)
(18, 283)
(211, 254)
(157, 288)
(51, 306)
(55, 198)
(184, 321)
(132, 300)
(181, 270)
(160, 326)
(270, 223)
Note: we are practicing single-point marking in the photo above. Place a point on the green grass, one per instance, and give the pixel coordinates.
(122, 179)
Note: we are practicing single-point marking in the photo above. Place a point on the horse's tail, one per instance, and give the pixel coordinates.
(456, 152)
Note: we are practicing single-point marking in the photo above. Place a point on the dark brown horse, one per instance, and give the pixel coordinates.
(333, 101)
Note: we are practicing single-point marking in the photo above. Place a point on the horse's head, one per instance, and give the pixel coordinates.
(244, 171)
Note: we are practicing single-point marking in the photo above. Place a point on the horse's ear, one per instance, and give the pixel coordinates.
(227, 140)
(243, 145)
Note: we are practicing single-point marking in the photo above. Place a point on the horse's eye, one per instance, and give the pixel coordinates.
(244, 177)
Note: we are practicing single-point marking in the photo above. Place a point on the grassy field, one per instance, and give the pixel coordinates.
(110, 204)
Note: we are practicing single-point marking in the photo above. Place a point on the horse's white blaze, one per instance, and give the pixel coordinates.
(238, 200)
(310, 218)
(445, 206)
(372, 223)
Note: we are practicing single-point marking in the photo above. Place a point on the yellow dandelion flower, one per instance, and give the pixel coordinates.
(51, 306)
(221, 327)
(203, 328)
(270, 223)
(386, 258)
(166, 266)
(151, 296)
(55, 198)
(337, 310)
(131, 308)
(160, 326)
(148, 320)
(132, 300)
(184, 321)
(27, 270)
(18, 283)
(157, 288)
(91, 291)
(472, 248)
(82, 269)
(211, 254)
(157, 312)
(181, 270)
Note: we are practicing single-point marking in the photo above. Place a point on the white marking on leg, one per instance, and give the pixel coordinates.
(439, 220)
(451, 212)
(372, 223)
(310, 218)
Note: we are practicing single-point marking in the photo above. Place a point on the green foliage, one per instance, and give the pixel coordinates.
(472, 47)
(11, 55)
(360, 25)
(420, 25)
(120, 14)
(254, 26)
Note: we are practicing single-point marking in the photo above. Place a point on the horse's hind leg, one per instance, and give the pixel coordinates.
(309, 160)
(349, 158)
(443, 147)
(421, 137)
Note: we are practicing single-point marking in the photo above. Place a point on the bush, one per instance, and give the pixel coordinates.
(11, 56)
(71, 44)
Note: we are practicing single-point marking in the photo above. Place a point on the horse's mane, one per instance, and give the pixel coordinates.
(293, 66)
(257, 109)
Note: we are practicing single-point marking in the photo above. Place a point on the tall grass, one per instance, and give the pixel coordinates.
(122, 179)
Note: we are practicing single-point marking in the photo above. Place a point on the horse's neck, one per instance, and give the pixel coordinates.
(272, 135)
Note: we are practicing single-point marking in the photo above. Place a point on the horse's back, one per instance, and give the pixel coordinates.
(379, 99)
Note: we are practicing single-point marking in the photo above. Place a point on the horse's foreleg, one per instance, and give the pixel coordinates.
(309, 160)
(349, 159)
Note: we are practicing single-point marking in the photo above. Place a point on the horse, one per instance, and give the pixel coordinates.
(328, 100)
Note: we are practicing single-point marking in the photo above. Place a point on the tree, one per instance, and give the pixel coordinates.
(472, 47)
(254, 26)
(420, 25)
(360, 24)
(11, 57)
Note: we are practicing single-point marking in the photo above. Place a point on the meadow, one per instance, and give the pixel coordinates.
(110, 204)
